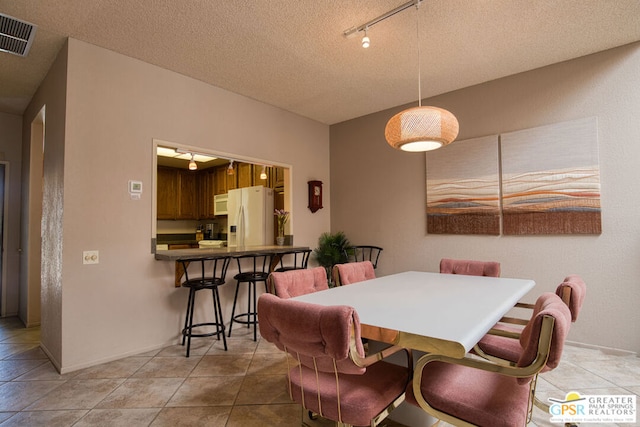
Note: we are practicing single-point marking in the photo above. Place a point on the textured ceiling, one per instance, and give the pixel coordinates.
(292, 53)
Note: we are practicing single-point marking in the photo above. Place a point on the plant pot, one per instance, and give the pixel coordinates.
(280, 240)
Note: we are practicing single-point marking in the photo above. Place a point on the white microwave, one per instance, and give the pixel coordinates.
(220, 204)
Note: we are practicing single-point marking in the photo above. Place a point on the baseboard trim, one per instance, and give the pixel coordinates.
(79, 366)
(606, 350)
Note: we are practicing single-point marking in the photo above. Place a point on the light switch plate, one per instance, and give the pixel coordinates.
(90, 257)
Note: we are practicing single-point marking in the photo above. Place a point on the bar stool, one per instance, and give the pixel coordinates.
(293, 260)
(210, 278)
(252, 268)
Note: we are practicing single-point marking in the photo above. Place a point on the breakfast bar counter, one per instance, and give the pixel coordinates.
(178, 254)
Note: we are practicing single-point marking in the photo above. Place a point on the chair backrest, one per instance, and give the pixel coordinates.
(360, 253)
(469, 267)
(253, 263)
(547, 304)
(212, 270)
(318, 336)
(352, 272)
(293, 283)
(294, 260)
(572, 291)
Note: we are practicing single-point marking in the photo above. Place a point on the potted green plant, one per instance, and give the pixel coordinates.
(331, 251)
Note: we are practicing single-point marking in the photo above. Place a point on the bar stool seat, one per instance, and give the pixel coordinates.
(252, 268)
(211, 277)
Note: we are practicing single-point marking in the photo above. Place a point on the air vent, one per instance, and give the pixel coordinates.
(15, 36)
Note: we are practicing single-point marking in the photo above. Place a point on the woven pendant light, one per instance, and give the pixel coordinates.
(421, 128)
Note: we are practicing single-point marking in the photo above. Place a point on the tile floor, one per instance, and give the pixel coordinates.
(241, 387)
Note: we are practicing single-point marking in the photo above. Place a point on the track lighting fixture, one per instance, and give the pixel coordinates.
(365, 40)
(230, 168)
(192, 164)
(263, 174)
(418, 128)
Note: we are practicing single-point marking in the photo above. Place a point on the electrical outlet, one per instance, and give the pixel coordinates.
(90, 257)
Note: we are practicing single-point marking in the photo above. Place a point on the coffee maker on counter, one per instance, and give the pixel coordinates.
(209, 231)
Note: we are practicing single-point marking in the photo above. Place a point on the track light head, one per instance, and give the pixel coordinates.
(192, 164)
(365, 40)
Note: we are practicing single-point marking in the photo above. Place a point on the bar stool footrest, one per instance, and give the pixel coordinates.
(239, 319)
(189, 330)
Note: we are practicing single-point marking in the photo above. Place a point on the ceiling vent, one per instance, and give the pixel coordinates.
(16, 36)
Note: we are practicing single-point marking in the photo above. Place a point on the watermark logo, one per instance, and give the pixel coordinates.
(606, 408)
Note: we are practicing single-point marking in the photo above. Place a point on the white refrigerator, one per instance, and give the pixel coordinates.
(250, 217)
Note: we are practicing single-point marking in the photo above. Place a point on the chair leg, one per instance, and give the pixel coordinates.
(217, 308)
(255, 312)
(233, 310)
(186, 316)
(249, 304)
(188, 330)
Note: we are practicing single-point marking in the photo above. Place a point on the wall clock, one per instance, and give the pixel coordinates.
(315, 195)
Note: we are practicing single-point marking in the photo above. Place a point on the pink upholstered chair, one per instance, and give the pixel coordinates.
(470, 268)
(572, 291)
(352, 272)
(332, 377)
(472, 391)
(363, 253)
(507, 347)
(293, 283)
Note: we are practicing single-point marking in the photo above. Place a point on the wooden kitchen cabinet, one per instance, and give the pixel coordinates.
(245, 175)
(276, 177)
(167, 179)
(187, 192)
(220, 180)
(224, 181)
(176, 194)
(206, 192)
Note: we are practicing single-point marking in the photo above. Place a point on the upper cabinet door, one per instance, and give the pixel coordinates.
(221, 180)
(167, 192)
(245, 175)
(188, 203)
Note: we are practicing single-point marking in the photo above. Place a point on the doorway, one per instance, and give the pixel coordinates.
(31, 232)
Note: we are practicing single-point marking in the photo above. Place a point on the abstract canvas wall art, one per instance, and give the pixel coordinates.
(463, 191)
(551, 179)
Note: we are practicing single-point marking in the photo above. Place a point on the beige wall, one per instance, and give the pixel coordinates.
(115, 107)
(11, 153)
(44, 278)
(389, 208)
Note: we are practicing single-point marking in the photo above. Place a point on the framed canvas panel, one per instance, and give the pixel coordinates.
(463, 191)
(551, 179)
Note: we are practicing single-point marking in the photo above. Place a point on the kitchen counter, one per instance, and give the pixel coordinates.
(178, 254)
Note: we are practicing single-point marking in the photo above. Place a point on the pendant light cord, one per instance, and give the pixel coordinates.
(419, 62)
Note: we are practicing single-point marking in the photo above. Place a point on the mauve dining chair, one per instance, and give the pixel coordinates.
(352, 272)
(293, 283)
(477, 392)
(470, 267)
(572, 292)
(331, 375)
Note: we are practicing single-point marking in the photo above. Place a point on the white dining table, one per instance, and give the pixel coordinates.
(432, 312)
